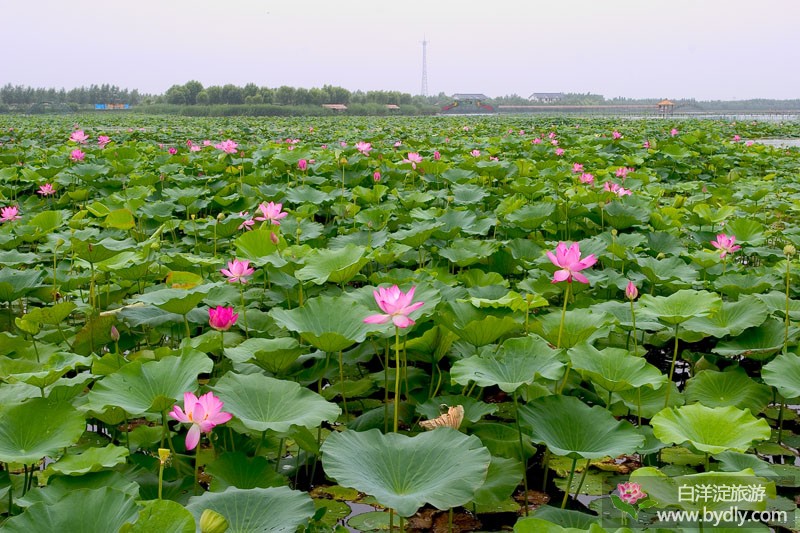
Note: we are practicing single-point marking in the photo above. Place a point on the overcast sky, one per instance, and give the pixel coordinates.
(706, 49)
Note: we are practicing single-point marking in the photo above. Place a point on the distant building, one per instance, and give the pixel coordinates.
(469, 97)
(469, 103)
(335, 107)
(546, 98)
(665, 107)
(112, 106)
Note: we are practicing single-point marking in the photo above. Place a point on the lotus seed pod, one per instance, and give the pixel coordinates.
(789, 250)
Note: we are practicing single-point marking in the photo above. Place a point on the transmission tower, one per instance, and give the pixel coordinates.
(424, 89)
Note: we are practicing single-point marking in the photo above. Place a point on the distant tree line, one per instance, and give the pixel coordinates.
(93, 94)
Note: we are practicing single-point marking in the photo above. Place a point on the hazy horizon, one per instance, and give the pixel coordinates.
(714, 50)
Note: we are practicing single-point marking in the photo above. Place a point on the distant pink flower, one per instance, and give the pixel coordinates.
(570, 262)
(271, 212)
(237, 271)
(436, 155)
(247, 224)
(646, 145)
(221, 318)
(622, 172)
(727, 244)
(552, 135)
(398, 144)
(397, 306)
(537, 140)
(228, 146)
(616, 189)
(203, 413)
(324, 146)
(206, 143)
(736, 138)
(749, 143)
(673, 132)
(493, 158)
(413, 158)
(587, 178)
(302, 165)
(7, 214)
(522, 132)
(376, 176)
(630, 492)
(103, 140)
(466, 128)
(475, 153)
(554, 142)
(616, 135)
(46, 189)
(195, 148)
(631, 292)
(577, 167)
(559, 151)
(172, 151)
(77, 155)
(78, 137)
(364, 147)
(189, 143)
(343, 144)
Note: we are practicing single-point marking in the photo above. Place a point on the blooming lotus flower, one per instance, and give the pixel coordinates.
(7, 214)
(570, 262)
(413, 158)
(103, 140)
(631, 292)
(206, 143)
(228, 146)
(436, 155)
(172, 151)
(46, 189)
(737, 138)
(727, 244)
(343, 144)
(221, 318)
(247, 224)
(302, 165)
(271, 212)
(749, 143)
(537, 140)
(195, 148)
(577, 167)
(552, 135)
(646, 145)
(202, 413)
(397, 306)
(237, 271)
(622, 172)
(475, 153)
(364, 147)
(554, 142)
(616, 135)
(559, 151)
(77, 155)
(587, 178)
(673, 132)
(616, 189)
(630, 492)
(78, 137)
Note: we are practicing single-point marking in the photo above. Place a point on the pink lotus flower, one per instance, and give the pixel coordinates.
(195, 148)
(398, 144)
(493, 158)
(46, 189)
(364, 147)
(577, 167)
(202, 413)
(727, 244)
(302, 165)
(237, 271)
(631, 292)
(749, 143)
(103, 140)
(552, 135)
(7, 214)
(247, 224)
(616, 189)
(76, 155)
(475, 153)
(537, 140)
(646, 145)
(466, 128)
(630, 492)
(78, 137)
(172, 151)
(616, 135)
(559, 151)
(343, 144)
(206, 143)
(436, 155)
(221, 318)
(736, 138)
(397, 306)
(673, 132)
(376, 176)
(271, 212)
(413, 158)
(554, 142)
(570, 262)
(587, 178)
(228, 146)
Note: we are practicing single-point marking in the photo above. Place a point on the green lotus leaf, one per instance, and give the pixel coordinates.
(502, 440)
(257, 246)
(326, 330)
(549, 519)
(336, 266)
(532, 216)
(474, 409)
(614, 369)
(235, 469)
(416, 234)
(47, 221)
(15, 283)
(154, 386)
(650, 400)
(776, 302)
(734, 462)
(579, 325)
(41, 374)
(263, 403)
(92, 460)
(659, 271)
(517, 362)
(120, 219)
(163, 516)
(273, 355)
(680, 306)
(178, 301)
(783, 373)
(89, 171)
(502, 479)
(758, 343)
(52, 315)
(675, 491)
(442, 467)
(94, 252)
(37, 428)
(60, 486)
(732, 387)
(465, 252)
(732, 318)
(476, 326)
(747, 231)
(278, 509)
(710, 429)
(734, 284)
(570, 427)
(110, 510)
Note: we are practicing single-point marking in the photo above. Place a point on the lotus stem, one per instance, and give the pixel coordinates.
(386, 389)
(569, 483)
(563, 315)
(672, 368)
(160, 478)
(244, 310)
(780, 421)
(633, 319)
(786, 318)
(280, 453)
(583, 478)
(545, 466)
(197, 469)
(341, 384)
(521, 451)
(396, 377)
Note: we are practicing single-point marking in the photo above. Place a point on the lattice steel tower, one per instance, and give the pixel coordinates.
(424, 89)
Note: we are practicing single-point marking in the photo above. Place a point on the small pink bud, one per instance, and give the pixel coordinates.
(114, 334)
(631, 291)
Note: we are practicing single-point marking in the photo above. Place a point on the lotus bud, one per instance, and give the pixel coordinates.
(212, 522)
(273, 238)
(221, 216)
(343, 161)
(114, 334)
(631, 291)
(789, 250)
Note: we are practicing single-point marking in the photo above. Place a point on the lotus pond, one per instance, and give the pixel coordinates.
(457, 324)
